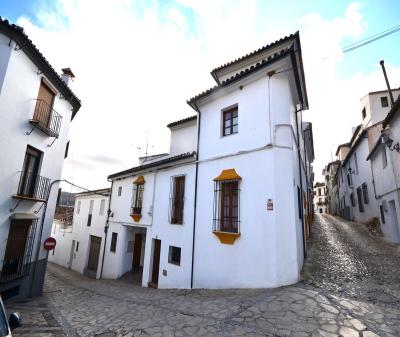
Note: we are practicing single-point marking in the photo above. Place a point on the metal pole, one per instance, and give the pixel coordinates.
(382, 63)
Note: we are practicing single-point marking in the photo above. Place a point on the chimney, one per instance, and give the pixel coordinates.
(67, 75)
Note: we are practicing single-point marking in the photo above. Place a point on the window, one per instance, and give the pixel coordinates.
(113, 246)
(320, 200)
(356, 162)
(363, 113)
(89, 220)
(349, 179)
(119, 191)
(319, 191)
(230, 121)
(177, 199)
(78, 207)
(66, 150)
(226, 202)
(30, 179)
(352, 200)
(299, 203)
(320, 210)
(384, 102)
(360, 201)
(77, 246)
(382, 214)
(174, 255)
(137, 198)
(384, 157)
(102, 206)
(365, 193)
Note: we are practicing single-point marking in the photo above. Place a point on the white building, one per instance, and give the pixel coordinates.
(80, 245)
(329, 172)
(358, 198)
(230, 205)
(385, 163)
(320, 198)
(36, 108)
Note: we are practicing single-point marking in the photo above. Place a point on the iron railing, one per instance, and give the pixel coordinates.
(31, 185)
(46, 118)
(18, 265)
(226, 208)
(136, 210)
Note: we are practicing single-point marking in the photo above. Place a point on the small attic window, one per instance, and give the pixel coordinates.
(384, 102)
(364, 113)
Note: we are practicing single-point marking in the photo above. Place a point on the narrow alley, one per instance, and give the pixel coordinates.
(350, 288)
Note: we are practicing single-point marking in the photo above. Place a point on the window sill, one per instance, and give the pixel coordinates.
(226, 237)
(175, 264)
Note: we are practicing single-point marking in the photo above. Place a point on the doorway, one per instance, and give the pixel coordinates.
(393, 221)
(156, 263)
(71, 254)
(137, 251)
(94, 253)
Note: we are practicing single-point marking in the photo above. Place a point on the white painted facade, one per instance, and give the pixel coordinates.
(73, 242)
(320, 198)
(366, 185)
(268, 252)
(385, 164)
(20, 79)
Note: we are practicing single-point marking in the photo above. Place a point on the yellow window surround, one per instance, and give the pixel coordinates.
(226, 237)
(139, 180)
(229, 174)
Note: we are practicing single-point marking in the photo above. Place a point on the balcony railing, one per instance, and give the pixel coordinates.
(32, 186)
(46, 119)
(136, 210)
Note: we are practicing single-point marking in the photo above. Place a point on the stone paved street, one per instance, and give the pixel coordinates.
(351, 288)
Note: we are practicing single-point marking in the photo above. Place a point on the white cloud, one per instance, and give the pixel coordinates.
(136, 67)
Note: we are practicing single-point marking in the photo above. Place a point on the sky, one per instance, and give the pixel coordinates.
(137, 62)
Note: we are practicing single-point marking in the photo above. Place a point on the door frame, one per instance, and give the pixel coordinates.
(155, 266)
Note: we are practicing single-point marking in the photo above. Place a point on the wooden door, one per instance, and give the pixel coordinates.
(94, 253)
(30, 172)
(16, 246)
(137, 250)
(45, 103)
(156, 262)
(71, 254)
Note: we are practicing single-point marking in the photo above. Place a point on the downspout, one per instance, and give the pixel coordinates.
(195, 195)
(106, 230)
(301, 183)
(39, 243)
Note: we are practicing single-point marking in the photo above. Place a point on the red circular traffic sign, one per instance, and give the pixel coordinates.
(49, 243)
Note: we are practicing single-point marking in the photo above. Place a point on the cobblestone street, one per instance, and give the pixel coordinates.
(351, 288)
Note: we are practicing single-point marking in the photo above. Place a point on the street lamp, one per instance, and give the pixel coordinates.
(386, 140)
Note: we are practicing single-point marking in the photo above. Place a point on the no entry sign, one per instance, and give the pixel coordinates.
(49, 243)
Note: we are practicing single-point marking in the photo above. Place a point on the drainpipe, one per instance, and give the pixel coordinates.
(301, 182)
(39, 243)
(195, 195)
(106, 230)
(382, 63)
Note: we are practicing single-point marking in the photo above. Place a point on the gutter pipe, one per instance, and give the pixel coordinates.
(107, 225)
(195, 194)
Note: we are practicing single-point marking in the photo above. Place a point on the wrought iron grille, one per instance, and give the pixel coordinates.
(177, 199)
(18, 263)
(32, 185)
(226, 206)
(137, 199)
(47, 118)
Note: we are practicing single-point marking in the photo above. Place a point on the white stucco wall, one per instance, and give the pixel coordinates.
(19, 90)
(183, 138)
(81, 233)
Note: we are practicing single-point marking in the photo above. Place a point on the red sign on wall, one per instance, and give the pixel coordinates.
(49, 243)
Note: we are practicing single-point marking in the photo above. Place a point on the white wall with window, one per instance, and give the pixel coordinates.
(73, 248)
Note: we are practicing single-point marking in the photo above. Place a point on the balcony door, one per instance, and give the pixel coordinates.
(45, 103)
(30, 172)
